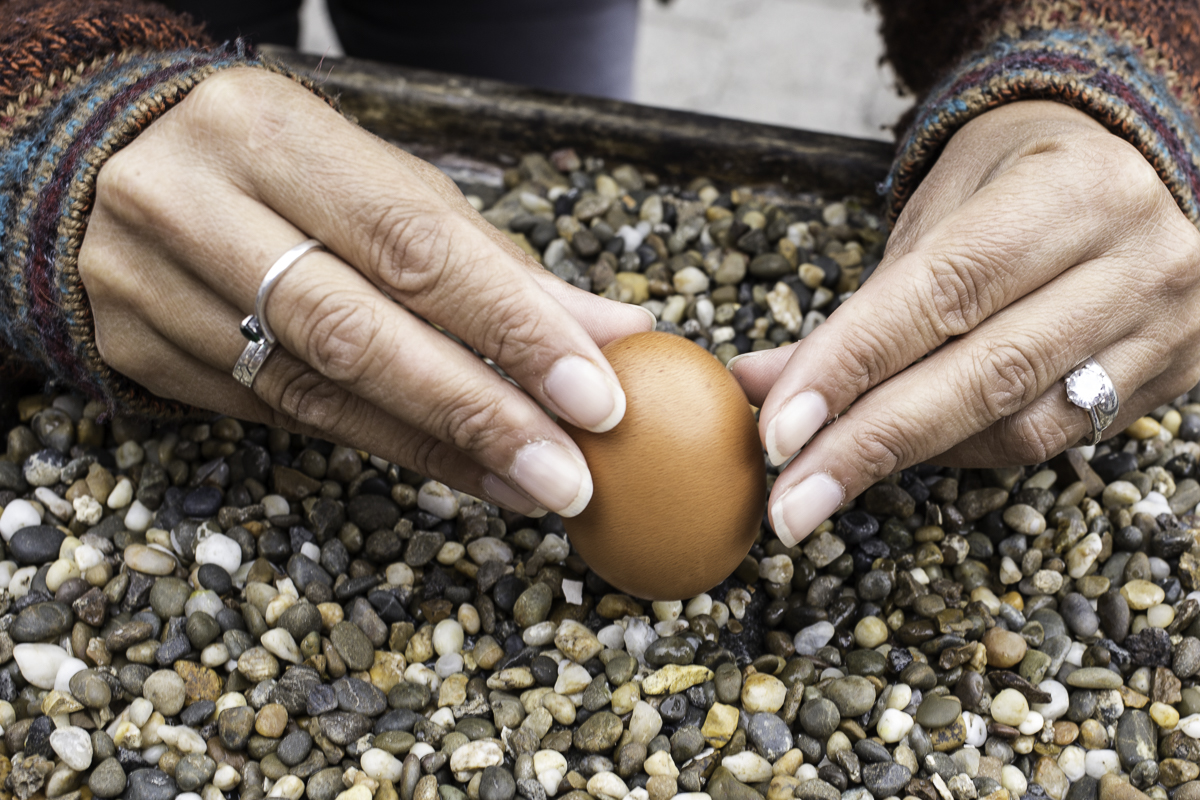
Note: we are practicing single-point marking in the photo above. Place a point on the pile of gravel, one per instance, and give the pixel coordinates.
(223, 609)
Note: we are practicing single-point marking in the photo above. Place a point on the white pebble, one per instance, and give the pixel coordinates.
(381, 765)
(776, 569)
(811, 639)
(39, 663)
(400, 574)
(612, 636)
(54, 504)
(219, 549)
(573, 592)
(748, 767)
(17, 515)
(121, 494)
(667, 610)
(59, 573)
(1033, 723)
(1099, 763)
(1009, 707)
(1160, 616)
(606, 785)
(894, 725)
(87, 557)
(448, 637)
(311, 551)
(1159, 569)
(74, 746)
(1190, 725)
(18, 585)
(438, 499)
(573, 678)
(1073, 762)
(539, 635)
(638, 636)
(448, 665)
(421, 749)
(88, 509)
(275, 506)
(1153, 504)
(226, 777)
(139, 711)
(280, 643)
(214, 655)
(700, 604)
(1075, 653)
(489, 548)
(976, 729)
(7, 570)
(66, 671)
(1012, 779)
(289, 787)
(207, 601)
(138, 517)
(900, 696)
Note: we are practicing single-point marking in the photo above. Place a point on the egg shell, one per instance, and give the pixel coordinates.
(680, 483)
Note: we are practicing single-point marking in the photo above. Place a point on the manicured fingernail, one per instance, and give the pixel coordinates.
(650, 314)
(584, 394)
(795, 424)
(555, 478)
(747, 356)
(800, 509)
(504, 495)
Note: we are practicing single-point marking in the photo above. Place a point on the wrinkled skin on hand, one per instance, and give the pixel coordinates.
(1037, 240)
(189, 217)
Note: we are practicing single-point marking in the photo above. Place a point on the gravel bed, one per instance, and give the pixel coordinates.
(226, 610)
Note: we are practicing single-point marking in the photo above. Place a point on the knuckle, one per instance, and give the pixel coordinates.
(472, 423)
(1032, 439)
(307, 398)
(413, 249)
(1006, 379)
(953, 295)
(882, 451)
(339, 339)
(513, 328)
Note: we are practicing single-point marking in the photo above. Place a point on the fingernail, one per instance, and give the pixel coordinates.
(748, 356)
(584, 394)
(795, 424)
(650, 314)
(800, 509)
(555, 478)
(504, 495)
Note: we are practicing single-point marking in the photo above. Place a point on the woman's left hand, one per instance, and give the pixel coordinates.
(1037, 240)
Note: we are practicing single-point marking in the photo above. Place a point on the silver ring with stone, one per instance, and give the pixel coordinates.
(1090, 388)
(260, 338)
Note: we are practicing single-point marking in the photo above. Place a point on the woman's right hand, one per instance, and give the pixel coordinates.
(189, 217)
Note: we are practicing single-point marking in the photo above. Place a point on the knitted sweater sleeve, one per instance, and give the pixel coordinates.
(79, 79)
(1134, 65)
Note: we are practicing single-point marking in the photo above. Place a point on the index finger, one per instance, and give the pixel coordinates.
(371, 206)
(1006, 240)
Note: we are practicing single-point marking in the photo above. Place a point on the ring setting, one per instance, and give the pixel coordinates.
(258, 334)
(1090, 388)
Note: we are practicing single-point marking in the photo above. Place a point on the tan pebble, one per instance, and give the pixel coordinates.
(1143, 428)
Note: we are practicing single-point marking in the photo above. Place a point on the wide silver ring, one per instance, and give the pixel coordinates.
(260, 338)
(1090, 388)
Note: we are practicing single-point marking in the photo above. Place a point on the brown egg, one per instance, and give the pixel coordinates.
(680, 483)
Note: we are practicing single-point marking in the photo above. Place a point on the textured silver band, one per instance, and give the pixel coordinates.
(1090, 388)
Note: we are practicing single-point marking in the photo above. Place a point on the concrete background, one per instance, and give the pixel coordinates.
(810, 64)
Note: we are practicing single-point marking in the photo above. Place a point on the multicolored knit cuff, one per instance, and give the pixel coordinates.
(1096, 71)
(51, 151)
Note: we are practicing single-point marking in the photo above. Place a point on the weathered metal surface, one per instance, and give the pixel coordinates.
(489, 120)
